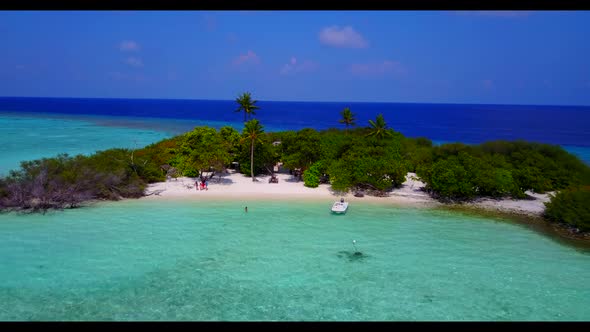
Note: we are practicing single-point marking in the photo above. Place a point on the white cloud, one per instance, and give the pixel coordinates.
(248, 58)
(342, 37)
(294, 67)
(129, 46)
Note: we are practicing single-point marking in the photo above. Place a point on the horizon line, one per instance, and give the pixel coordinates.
(301, 101)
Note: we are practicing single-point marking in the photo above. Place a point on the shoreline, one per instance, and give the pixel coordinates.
(236, 186)
(233, 185)
(561, 232)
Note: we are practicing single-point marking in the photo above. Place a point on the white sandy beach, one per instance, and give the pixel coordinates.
(236, 186)
(532, 207)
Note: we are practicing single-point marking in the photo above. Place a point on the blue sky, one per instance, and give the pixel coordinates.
(532, 57)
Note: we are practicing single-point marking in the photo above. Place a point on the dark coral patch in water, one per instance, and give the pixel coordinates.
(352, 255)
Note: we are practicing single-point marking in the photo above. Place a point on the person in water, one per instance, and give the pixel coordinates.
(342, 200)
(246, 209)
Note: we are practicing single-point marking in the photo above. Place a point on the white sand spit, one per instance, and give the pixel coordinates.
(533, 206)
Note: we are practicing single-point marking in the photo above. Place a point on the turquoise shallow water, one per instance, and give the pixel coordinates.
(208, 260)
(39, 135)
(181, 260)
(28, 138)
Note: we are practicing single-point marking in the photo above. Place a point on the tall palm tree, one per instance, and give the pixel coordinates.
(379, 127)
(253, 130)
(246, 104)
(347, 117)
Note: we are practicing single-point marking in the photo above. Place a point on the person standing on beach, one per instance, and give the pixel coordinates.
(207, 184)
(197, 185)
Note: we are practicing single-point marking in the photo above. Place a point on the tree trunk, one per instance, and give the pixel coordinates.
(252, 160)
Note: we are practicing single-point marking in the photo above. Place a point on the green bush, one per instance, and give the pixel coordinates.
(368, 167)
(496, 169)
(311, 178)
(190, 172)
(570, 206)
(449, 179)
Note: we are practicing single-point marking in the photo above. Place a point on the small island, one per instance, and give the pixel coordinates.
(372, 162)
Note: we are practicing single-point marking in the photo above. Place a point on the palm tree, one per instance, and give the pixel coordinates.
(246, 104)
(347, 117)
(379, 127)
(253, 130)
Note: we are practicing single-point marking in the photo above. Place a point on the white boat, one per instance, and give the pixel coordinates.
(340, 207)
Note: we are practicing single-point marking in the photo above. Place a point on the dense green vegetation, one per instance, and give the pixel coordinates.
(374, 159)
(572, 207)
(496, 169)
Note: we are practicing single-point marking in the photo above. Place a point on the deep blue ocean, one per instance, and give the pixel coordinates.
(568, 126)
